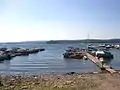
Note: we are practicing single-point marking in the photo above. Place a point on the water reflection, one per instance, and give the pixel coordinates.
(1, 61)
(5, 65)
(108, 61)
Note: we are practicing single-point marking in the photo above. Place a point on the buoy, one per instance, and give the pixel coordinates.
(85, 58)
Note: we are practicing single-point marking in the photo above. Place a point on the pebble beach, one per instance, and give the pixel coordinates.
(69, 81)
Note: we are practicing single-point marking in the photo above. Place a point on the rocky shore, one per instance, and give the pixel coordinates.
(72, 81)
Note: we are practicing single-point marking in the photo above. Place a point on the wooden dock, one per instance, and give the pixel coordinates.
(99, 64)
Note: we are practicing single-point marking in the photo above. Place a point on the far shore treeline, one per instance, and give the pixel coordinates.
(67, 41)
(84, 41)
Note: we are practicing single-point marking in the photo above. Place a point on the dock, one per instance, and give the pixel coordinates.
(99, 64)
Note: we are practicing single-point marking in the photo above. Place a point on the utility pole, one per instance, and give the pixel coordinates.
(88, 37)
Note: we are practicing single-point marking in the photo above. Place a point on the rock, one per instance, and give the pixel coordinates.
(36, 83)
(11, 87)
(1, 84)
(70, 73)
(68, 82)
(79, 76)
(55, 86)
(58, 78)
(95, 72)
(12, 79)
(35, 77)
(60, 86)
(24, 87)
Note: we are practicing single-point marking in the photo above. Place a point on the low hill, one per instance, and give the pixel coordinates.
(68, 41)
(84, 41)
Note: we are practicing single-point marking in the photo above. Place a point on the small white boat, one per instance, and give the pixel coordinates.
(117, 46)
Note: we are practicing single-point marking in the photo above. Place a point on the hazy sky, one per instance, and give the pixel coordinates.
(22, 20)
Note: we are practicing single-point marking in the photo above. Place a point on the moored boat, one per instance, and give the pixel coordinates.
(100, 53)
(78, 55)
(74, 53)
(9, 53)
(4, 56)
(104, 54)
(34, 50)
(101, 45)
(117, 46)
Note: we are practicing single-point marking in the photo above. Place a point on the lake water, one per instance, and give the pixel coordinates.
(50, 61)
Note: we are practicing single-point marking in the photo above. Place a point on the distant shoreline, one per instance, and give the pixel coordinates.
(66, 41)
(84, 41)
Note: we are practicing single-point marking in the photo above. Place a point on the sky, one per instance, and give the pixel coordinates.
(29, 20)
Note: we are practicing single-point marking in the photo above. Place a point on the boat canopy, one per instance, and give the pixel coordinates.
(100, 52)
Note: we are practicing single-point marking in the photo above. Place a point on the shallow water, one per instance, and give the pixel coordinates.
(50, 61)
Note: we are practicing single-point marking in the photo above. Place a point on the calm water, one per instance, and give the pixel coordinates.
(50, 61)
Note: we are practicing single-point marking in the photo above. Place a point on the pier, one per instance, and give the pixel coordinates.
(99, 64)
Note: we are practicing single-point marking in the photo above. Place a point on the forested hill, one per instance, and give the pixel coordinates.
(84, 41)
